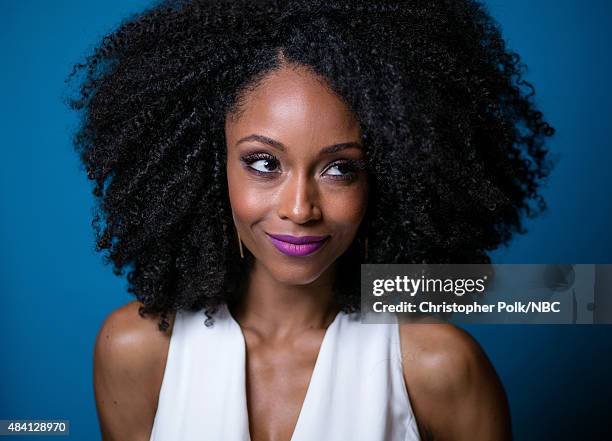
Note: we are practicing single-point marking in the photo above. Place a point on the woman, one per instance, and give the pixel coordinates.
(247, 158)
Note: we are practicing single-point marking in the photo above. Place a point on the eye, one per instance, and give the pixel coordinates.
(260, 163)
(345, 170)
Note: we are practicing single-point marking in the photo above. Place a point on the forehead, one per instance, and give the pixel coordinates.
(293, 103)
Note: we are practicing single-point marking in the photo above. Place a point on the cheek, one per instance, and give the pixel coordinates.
(248, 203)
(347, 209)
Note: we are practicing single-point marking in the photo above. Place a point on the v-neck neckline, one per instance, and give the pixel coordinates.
(313, 376)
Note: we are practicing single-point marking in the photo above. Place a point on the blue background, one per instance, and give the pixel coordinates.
(56, 292)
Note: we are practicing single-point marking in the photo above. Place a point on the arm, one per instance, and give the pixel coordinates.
(129, 361)
(454, 390)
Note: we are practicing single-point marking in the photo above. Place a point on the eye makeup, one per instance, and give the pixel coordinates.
(347, 168)
(252, 158)
(350, 166)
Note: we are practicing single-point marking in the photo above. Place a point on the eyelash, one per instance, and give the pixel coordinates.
(353, 166)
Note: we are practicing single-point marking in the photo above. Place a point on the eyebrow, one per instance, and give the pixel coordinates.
(280, 146)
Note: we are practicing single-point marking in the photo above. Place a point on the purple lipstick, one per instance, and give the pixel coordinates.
(297, 246)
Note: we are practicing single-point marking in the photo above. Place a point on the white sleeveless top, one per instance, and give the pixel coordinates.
(356, 392)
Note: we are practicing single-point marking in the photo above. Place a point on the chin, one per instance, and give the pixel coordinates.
(297, 277)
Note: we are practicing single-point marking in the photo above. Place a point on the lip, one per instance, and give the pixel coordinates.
(298, 240)
(297, 246)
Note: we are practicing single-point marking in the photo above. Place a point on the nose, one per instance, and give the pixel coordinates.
(298, 200)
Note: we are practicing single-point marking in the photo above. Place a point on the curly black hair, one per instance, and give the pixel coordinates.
(454, 141)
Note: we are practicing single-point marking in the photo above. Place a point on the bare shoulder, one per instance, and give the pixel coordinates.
(129, 337)
(442, 354)
(129, 361)
(454, 390)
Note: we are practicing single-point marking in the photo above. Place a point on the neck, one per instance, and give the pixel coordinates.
(276, 310)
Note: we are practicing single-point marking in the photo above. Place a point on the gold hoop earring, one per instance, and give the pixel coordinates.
(238, 234)
(240, 244)
(240, 247)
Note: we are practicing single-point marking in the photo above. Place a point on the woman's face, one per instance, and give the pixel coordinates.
(289, 172)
